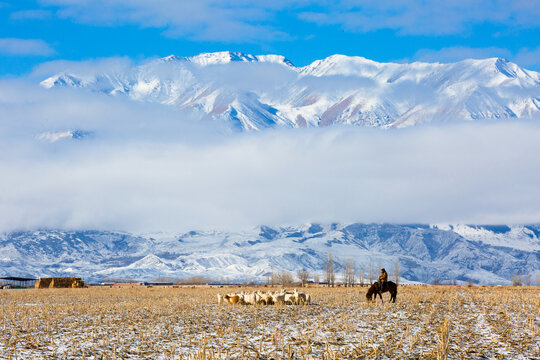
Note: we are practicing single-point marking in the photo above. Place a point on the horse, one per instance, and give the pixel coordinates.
(391, 287)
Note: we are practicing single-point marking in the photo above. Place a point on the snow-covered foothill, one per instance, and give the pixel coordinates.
(425, 253)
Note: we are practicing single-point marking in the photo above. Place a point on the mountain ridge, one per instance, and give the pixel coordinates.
(254, 92)
(425, 253)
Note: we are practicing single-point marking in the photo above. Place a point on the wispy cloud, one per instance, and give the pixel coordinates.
(528, 57)
(431, 17)
(25, 47)
(251, 21)
(147, 167)
(36, 14)
(89, 66)
(198, 20)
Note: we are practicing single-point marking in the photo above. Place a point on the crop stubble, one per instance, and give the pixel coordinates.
(436, 322)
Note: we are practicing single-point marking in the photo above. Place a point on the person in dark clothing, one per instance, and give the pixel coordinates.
(383, 278)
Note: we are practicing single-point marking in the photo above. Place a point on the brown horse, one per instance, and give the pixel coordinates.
(391, 287)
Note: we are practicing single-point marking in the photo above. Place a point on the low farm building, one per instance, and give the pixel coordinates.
(60, 282)
(16, 282)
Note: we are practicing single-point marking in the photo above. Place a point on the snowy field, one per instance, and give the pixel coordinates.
(427, 322)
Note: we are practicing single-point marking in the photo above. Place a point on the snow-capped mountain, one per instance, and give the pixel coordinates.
(462, 253)
(254, 92)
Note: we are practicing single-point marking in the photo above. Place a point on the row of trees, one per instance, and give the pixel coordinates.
(525, 280)
(350, 274)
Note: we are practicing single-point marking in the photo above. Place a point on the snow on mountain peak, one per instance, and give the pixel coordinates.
(339, 89)
(171, 58)
(225, 57)
(342, 65)
(61, 80)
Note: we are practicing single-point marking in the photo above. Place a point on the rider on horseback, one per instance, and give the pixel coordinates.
(383, 278)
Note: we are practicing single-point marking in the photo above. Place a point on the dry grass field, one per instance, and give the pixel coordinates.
(427, 322)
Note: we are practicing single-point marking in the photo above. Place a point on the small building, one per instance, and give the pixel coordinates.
(16, 282)
(59, 282)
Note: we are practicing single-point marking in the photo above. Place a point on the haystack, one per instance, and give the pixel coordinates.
(60, 282)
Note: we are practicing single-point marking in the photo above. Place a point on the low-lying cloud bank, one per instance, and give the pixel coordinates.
(142, 167)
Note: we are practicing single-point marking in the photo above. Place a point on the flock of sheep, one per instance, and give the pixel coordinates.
(265, 298)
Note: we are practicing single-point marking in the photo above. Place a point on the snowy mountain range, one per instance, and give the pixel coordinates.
(482, 254)
(256, 92)
(253, 92)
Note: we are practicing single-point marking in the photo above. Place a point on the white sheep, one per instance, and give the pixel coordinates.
(290, 299)
(301, 298)
(252, 299)
(278, 298)
(266, 298)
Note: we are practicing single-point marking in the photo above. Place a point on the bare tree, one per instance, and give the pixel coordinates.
(396, 271)
(329, 271)
(303, 276)
(349, 272)
(370, 272)
(286, 278)
(275, 278)
(361, 275)
(195, 280)
(344, 274)
(316, 279)
(517, 280)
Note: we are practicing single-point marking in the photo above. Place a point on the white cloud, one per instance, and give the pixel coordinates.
(528, 57)
(147, 167)
(36, 14)
(431, 17)
(93, 66)
(25, 47)
(256, 20)
(231, 20)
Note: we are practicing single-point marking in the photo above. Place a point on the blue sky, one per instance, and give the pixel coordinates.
(37, 31)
